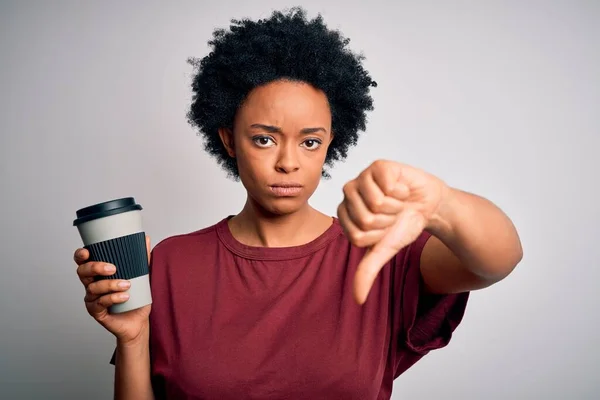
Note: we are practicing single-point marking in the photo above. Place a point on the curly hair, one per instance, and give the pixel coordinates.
(286, 46)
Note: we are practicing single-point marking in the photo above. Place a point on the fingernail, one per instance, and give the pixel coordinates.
(124, 296)
(109, 268)
(124, 284)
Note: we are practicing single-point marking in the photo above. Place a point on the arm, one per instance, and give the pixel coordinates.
(132, 369)
(474, 245)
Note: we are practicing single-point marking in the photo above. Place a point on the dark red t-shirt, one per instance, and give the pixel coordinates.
(230, 321)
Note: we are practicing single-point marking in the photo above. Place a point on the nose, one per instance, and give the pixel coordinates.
(287, 160)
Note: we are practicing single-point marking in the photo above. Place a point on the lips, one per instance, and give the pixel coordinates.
(286, 189)
(286, 184)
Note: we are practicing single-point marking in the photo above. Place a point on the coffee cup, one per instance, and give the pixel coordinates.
(112, 232)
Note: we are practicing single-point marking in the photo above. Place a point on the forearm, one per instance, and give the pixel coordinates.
(481, 236)
(132, 370)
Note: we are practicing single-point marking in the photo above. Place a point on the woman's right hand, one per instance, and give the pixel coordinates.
(99, 295)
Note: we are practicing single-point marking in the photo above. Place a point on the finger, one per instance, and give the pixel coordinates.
(402, 233)
(97, 289)
(81, 255)
(356, 236)
(386, 175)
(98, 307)
(148, 248)
(360, 215)
(88, 271)
(374, 198)
(400, 191)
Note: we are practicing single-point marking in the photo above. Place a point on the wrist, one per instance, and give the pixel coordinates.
(441, 223)
(140, 340)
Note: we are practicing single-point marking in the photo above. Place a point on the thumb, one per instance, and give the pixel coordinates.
(405, 230)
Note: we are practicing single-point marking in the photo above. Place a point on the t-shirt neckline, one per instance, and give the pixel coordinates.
(275, 253)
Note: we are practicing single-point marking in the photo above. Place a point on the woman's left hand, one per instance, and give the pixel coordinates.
(385, 209)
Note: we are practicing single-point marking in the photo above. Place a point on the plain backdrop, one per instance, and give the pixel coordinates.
(499, 98)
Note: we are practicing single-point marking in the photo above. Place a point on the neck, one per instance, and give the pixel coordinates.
(254, 226)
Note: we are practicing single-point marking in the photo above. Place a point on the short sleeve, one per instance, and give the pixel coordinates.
(427, 320)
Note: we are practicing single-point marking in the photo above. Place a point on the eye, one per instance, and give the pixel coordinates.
(312, 144)
(263, 141)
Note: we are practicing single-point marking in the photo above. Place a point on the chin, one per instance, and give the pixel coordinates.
(283, 206)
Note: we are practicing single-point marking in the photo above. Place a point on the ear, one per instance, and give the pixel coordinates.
(331, 136)
(226, 135)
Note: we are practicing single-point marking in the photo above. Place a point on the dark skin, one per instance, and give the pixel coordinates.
(280, 136)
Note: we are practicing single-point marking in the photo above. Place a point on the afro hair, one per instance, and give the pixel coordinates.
(286, 46)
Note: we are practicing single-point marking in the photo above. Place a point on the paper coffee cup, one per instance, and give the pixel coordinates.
(112, 232)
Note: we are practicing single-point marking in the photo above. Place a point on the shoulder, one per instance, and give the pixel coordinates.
(198, 238)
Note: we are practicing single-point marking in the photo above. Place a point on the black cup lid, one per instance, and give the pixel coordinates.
(105, 209)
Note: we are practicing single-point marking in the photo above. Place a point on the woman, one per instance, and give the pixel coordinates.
(281, 300)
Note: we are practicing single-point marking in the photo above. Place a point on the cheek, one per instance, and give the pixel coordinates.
(313, 168)
(252, 168)
(316, 160)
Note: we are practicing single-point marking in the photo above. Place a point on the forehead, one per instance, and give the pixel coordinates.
(286, 103)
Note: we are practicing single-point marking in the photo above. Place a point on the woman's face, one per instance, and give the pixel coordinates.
(280, 139)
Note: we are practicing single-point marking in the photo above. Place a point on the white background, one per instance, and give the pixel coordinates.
(499, 98)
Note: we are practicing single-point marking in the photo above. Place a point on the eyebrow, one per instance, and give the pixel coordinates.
(276, 129)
